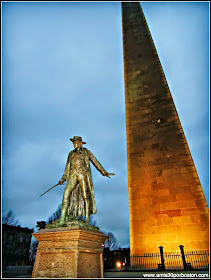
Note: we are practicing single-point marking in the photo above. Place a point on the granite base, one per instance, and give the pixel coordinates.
(75, 252)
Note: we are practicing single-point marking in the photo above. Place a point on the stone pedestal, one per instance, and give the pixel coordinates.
(75, 252)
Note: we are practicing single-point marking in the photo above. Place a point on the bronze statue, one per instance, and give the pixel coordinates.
(78, 197)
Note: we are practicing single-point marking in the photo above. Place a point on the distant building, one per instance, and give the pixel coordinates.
(16, 245)
(111, 258)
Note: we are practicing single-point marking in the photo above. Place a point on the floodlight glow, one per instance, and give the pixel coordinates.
(118, 264)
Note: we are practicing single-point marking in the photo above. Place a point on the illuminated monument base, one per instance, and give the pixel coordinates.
(69, 253)
(167, 206)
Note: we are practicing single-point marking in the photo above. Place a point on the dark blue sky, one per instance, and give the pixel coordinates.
(62, 76)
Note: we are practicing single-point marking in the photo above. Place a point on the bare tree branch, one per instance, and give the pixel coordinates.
(56, 215)
(10, 219)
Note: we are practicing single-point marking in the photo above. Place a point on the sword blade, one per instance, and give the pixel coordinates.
(50, 189)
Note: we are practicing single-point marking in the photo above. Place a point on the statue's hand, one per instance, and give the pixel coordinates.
(108, 174)
(61, 182)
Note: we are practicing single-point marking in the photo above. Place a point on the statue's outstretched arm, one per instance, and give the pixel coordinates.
(98, 165)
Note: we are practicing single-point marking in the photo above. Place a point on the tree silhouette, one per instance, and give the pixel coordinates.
(56, 215)
(33, 250)
(92, 221)
(10, 219)
(111, 242)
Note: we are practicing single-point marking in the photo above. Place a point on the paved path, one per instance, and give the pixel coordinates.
(203, 274)
(132, 274)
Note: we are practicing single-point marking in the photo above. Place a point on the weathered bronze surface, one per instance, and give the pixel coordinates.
(78, 197)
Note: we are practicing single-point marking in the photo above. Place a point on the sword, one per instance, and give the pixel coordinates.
(50, 189)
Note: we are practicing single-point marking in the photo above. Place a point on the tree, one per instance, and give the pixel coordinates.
(92, 221)
(33, 250)
(111, 243)
(10, 219)
(56, 215)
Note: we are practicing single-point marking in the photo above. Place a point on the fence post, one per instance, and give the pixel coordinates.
(162, 258)
(183, 257)
(132, 257)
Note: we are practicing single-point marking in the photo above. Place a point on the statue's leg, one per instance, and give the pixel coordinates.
(84, 185)
(71, 184)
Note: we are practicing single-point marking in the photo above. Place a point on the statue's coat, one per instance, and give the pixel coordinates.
(77, 204)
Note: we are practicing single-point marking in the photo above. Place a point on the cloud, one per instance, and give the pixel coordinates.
(63, 76)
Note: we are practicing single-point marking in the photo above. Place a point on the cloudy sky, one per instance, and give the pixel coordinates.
(62, 76)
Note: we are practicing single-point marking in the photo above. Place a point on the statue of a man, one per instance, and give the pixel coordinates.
(78, 197)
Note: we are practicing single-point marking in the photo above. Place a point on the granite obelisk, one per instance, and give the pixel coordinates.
(167, 206)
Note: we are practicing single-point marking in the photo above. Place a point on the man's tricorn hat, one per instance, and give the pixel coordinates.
(77, 138)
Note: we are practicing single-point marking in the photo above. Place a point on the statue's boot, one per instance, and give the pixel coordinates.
(87, 211)
(62, 221)
(63, 215)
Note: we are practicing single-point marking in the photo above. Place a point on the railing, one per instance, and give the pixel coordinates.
(146, 261)
(173, 260)
(198, 259)
(176, 260)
